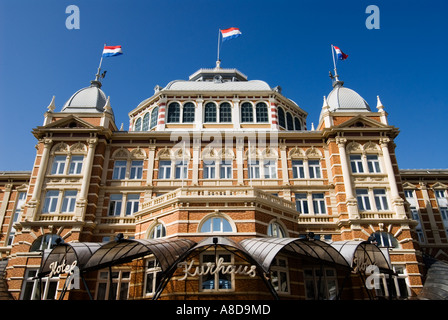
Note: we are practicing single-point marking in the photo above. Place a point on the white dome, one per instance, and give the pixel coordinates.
(346, 100)
(89, 99)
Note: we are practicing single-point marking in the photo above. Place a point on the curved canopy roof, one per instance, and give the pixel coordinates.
(167, 251)
(361, 252)
(90, 99)
(345, 99)
(264, 250)
(68, 253)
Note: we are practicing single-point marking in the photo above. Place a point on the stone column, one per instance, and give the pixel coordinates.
(352, 205)
(81, 203)
(396, 200)
(236, 113)
(35, 197)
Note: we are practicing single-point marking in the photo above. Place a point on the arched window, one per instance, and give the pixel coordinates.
(154, 116)
(384, 239)
(46, 241)
(289, 121)
(145, 125)
(138, 125)
(261, 110)
(173, 113)
(247, 113)
(210, 112)
(188, 114)
(281, 118)
(216, 224)
(276, 230)
(225, 112)
(297, 125)
(159, 231)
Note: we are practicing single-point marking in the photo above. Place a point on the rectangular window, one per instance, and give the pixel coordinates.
(21, 197)
(136, 169)
(442, 201)
(76, 165)
(302, 203)
(226, 169)
(314, 169)
(373, 163)
(51, 201)
(69, 201)
(219, 281)
(209, 169)
(31, 289)
(356, 163)
(153, 273)
(319, 203)
(119, 289)
(410, 198)
(115, 204)
(58, 165)
(270, 169)
(380, 199)
(132, 202)
(164, 169)
(119, 169)
(280, 275)
(320, 284)
(298, 169)
(181, 169)
(254, 169)
(362, 195)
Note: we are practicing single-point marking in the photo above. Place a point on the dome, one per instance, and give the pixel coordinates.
(346, 100)
(89, 99)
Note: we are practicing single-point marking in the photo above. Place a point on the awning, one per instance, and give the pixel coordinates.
(68, 253)
(360, 254)
(166, 251)
(264, 250)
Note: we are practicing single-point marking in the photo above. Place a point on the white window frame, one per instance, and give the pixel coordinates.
(253, 167)
(136, 170)
(118, 282)
(362, 195)
(209, 169)
(58, 166)
(21, 199)
(280, 275)
(319, 203)
(164, 169)
(302, 204)
(119, 172)
(212, 258)
(132, 203)
(356, 163)
(181, 169)
(115, 205)
(270, 169)
(69, 201)
(30, 283)
(314, 169)
(51, 201)
(152, 274)
(373, 164)
(276, 230)
(298, 169)
(225, 169)
(158, 231)
(216, 224)
(75, 165)
(381, 201)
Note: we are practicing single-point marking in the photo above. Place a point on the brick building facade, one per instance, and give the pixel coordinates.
(221, 177)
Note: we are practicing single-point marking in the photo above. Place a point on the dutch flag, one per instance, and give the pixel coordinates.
(230, 33)
(111, 51)
(341, 55)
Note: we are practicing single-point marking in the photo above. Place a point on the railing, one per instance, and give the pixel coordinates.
(376, 215)
(56, 217)
(128, 220)
(217, 193)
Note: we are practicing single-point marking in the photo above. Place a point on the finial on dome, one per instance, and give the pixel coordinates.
(51, 106)
(218, 64)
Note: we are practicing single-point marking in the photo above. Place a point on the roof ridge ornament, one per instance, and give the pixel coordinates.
(51, 106)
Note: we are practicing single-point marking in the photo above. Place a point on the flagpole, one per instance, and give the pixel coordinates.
(334, 64)
(97, 78)
(219, 33)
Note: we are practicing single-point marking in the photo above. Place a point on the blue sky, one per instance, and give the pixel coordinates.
(284, 42)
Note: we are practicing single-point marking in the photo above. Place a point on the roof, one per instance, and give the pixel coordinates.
(253, 85)
(346, 100)
(88, 99)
